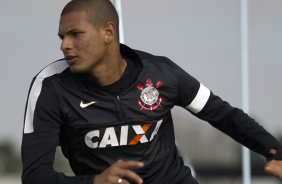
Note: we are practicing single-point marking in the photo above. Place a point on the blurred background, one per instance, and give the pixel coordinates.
(201, 36)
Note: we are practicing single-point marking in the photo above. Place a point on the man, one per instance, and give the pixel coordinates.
(108, 107)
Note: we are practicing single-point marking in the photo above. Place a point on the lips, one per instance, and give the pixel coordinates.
(71, 59)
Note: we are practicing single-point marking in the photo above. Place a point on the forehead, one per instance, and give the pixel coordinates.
(74, 19)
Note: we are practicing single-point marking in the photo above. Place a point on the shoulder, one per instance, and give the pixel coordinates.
(52, 72)
(156, 62)
(54, 68)
(151, 57)
(145, 57)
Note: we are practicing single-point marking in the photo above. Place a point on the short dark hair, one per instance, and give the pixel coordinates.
(99, 11)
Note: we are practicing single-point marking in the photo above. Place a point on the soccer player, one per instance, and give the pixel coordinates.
(109, 108)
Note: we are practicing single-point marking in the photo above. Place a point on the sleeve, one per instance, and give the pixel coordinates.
(238, 125)
(201, 102)
(42, 124)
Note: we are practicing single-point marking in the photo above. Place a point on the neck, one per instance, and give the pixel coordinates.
(111, 74)
(111, 68)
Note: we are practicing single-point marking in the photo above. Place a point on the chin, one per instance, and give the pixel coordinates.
(77, 70)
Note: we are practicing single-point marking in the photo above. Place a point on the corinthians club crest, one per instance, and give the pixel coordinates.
(149, 98)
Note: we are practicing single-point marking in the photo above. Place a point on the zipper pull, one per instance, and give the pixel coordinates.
(118, 98)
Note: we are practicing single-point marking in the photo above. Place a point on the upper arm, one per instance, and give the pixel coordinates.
(191, 94)
(41, 130)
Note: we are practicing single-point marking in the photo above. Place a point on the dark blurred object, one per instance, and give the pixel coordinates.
(9, 159)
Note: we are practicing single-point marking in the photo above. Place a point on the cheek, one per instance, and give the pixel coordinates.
(83, 47)
(90, 44)
(85, 43)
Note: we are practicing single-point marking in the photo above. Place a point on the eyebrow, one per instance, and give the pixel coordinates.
(60, 34)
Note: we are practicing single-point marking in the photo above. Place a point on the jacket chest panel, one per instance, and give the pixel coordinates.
(85, 109)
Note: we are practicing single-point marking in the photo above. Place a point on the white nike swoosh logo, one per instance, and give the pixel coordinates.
(84, 105)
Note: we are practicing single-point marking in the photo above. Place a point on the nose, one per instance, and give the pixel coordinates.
(66, 44)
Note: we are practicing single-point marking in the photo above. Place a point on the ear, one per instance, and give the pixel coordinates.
(110, 32)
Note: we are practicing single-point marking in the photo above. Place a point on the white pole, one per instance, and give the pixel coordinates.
(246, 161)
(117, 4)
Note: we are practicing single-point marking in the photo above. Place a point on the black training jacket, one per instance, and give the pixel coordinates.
(95, 127)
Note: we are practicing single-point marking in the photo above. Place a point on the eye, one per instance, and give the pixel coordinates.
(75, 33)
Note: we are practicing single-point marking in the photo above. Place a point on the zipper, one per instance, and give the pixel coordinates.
(120, 112)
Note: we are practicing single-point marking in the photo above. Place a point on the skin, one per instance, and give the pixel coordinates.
(90, 49)
(274, 167)
(120, 169)
(95, 51)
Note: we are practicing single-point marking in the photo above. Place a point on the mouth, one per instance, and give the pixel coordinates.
(71, 59)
